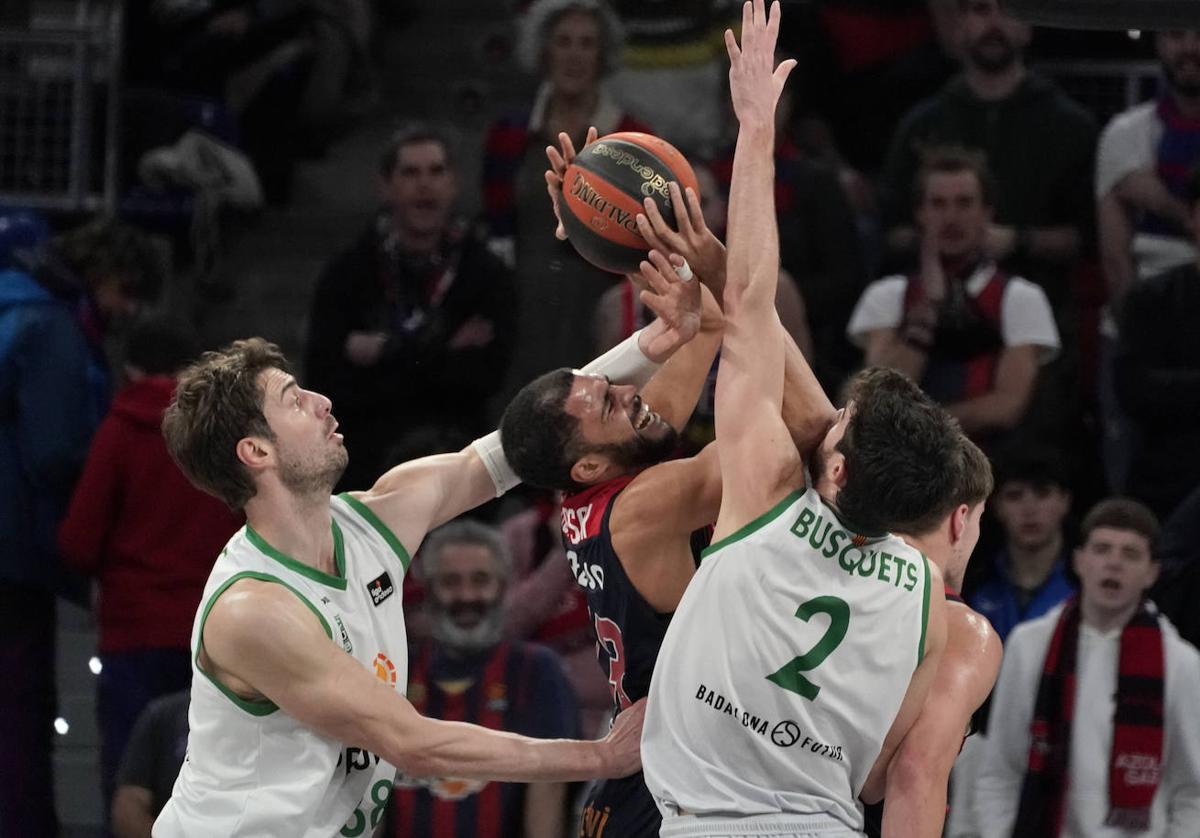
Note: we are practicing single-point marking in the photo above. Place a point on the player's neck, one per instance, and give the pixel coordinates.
(300, 527)
(1029, 567)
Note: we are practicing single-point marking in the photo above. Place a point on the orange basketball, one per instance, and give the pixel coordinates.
(603, 189)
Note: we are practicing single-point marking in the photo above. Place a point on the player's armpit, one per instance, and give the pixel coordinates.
(414, 497)
(262, 635)
(917, 776)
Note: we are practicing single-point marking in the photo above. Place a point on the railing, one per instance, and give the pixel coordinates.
(59, 97)
(1105, 87)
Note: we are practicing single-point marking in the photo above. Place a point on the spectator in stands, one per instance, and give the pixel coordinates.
(411, 325)
(1043, 206)
(1144, 214)
(147, 536)
(1157, 377)
(675, 66)
(1108, 689)
(150, 764)
(54, 388)
(572, 45)
(1029, 573)
(469, 673)
(972, 334)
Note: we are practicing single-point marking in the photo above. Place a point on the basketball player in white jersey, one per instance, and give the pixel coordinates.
(806, 642)
(298, 720)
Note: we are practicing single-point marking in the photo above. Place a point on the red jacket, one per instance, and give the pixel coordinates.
(137, 524)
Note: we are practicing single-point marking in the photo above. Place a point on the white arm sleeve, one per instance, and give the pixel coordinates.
(625, 363)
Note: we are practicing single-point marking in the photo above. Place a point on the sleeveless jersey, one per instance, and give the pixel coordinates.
(629, 634)
(784, 667)
(251, 769)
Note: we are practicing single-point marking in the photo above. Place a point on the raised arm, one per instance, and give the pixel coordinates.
(261, 640)
(759, 462)
(917, 776)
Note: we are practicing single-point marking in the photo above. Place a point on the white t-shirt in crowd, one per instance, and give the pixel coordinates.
(1175, 812)
(1025, 313)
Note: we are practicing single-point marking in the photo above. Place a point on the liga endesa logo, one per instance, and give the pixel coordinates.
(385, 670)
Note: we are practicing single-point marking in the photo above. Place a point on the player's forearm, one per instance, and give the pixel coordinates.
(544, 810)
(807, 410)
(455, 749)
(752, 264)
(915, 800)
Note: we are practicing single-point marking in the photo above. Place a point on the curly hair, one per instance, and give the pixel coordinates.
(539, 21)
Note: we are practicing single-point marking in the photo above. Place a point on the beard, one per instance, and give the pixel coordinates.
(303, 478)
(992, 52)
(483, 635)
(1183, 77)
(642, 450)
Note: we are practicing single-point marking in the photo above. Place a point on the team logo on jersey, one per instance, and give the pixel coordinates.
(385, 670)
(380, 588)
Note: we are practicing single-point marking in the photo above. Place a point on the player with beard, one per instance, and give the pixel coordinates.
(468, 672)
(632, 521)
(298, 717)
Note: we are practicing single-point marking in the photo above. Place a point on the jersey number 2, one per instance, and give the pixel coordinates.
(790, 675)
(608, 635)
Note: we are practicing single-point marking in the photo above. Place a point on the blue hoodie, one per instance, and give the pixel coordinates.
(53, 390)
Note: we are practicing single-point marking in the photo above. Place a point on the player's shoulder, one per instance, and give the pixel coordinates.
(973, 634)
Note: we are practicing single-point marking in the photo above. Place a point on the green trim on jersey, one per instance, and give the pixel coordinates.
(339, 559)
(924, 612)
(260, 707)
(757, 524)
(380, 527)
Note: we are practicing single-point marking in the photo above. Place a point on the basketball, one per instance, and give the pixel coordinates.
(603, 189)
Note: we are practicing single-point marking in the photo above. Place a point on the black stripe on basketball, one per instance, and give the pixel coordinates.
(601, 252)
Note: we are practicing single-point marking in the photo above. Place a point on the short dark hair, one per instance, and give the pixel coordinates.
(411, 133)
(540, 439)
(218, 401)
(1038, 466)
(105, 248)
(975, 478)
(905, 462)
(159, 345)
(1121, 514)
(951, 160)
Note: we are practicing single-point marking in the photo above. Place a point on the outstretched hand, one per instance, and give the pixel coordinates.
(675, 301)
(691, 239)
(559, 160)
(754, 81)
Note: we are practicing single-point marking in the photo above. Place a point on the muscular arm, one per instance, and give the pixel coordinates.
(261, 639)
(545, 810)
(675, 389)
(915, 797)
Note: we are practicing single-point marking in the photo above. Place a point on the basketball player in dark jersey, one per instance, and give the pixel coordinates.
(632, 520)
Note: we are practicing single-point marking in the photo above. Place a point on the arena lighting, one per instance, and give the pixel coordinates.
(61, 727)
(1108, 14)
(94, 665)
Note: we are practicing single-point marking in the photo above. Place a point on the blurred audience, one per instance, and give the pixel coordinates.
(57, 300)
(1144, 212)
(1157, 377)
(1043, 205)
(1093, 730)
(412, 325)
(973, 335)
(675, 65)
(1029, 574)
(572, 46)
(148, 538)
(150, 765)
(468, 672)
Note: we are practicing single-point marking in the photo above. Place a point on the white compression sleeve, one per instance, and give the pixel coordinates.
(625, 363)
(491, 452)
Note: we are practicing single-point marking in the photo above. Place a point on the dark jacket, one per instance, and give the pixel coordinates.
(51, 397)
(1157, 374)
(420, 380)
(141, 528)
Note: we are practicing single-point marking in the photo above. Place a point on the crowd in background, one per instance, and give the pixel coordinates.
(944, 209)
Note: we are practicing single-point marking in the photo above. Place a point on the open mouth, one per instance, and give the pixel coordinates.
(640, 414)
(332, 429)
(1110, 584)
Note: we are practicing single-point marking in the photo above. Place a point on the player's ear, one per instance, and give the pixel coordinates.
(254, 451)
(592, 467)
(958, 522)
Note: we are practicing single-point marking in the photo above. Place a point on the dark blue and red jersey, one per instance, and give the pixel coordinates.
(518, 687)
(629, 633)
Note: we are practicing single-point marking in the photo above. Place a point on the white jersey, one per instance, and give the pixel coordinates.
(784, 667)
(253, 770)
